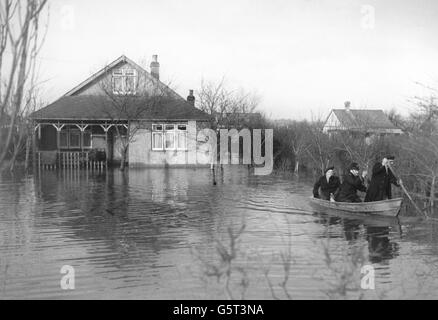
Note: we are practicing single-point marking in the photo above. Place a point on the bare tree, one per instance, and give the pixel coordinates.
(21, 139)
(228, 108)
(20, 43)
(292, 140)
(321, 151)
(145, 97)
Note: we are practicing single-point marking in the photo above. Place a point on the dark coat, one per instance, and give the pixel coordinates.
(325, 188)
(348, 190)
(380, 185)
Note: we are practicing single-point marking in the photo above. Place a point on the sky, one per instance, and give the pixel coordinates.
(301, 57)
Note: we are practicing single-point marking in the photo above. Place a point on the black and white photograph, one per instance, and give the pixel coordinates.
(237, 152)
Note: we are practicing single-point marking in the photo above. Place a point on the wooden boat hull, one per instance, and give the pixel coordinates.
(386, 208)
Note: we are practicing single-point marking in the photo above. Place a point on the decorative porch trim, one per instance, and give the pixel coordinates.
(82, 127)
(106, 127)
(58, 126)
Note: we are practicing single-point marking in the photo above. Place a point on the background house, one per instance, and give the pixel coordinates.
(121, 105)
(359, 121)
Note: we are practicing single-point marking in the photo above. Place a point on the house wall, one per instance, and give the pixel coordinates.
(142, 155)
(332, 123)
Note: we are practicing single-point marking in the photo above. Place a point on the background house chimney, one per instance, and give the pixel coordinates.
(347, 105)
(191, 98)
(155, 67)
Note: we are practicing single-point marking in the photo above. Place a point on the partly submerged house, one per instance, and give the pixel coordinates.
(121, 103)
(356, 121)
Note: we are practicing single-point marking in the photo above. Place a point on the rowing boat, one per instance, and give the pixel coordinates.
(387, 208)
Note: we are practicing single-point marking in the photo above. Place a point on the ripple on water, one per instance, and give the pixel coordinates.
(148, 234)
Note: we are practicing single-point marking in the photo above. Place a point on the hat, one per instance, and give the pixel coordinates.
(389, 157)
(329, 168)
(354, 166)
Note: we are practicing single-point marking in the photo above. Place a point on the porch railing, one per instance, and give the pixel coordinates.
(53, 160)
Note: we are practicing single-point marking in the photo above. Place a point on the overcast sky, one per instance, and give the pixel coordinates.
(302, 57)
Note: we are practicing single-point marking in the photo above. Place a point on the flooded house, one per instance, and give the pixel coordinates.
(364, 122)
(122, 113)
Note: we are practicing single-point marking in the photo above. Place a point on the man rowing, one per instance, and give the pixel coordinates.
(326, 185)
(351, 183)
(381, 180)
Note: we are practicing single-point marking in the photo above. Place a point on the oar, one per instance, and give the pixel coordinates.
(408, 195)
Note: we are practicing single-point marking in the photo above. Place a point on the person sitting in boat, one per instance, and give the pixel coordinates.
(326, 185)
(381, 180)
(351, 183)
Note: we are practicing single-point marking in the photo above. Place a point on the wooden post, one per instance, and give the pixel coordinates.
(34, 148)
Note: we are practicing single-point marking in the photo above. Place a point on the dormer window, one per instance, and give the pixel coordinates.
(124, 81)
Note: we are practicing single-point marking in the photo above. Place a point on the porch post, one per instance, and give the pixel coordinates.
(105, 128)
(58, 140)
(58, 131)
(82, 128)
(106, 151)
(34, 144)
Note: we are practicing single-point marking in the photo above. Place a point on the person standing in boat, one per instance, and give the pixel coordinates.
(352, 182)
(381, 180)
(326, 185)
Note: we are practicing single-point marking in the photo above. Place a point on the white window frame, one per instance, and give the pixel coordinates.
(155, 132)
(124, 74)
(172, 132)
(175, 131)
(178, 133)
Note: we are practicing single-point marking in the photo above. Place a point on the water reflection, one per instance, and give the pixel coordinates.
(380, 247)
(380, 234)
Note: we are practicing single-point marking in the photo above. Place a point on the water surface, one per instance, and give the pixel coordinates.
(167, 233)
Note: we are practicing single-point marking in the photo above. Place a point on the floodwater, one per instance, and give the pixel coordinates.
(172, 234)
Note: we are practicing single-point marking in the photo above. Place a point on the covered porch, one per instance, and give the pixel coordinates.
(84, 144)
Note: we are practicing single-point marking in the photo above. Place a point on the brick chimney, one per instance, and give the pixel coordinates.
(347, 105)
(191, 98)
(155, 67)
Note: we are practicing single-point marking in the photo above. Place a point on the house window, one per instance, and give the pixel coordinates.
(157, 137)
(75, 139)
(124, 81)
(170, 140)
(182, 137)
(117, 82)
(71, 139)
(169, 137)
(63, 139)
(157, 127)
(86, 139)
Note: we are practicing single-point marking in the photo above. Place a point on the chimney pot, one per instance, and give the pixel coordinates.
(347, 105)
(155, 67)
(191, 98)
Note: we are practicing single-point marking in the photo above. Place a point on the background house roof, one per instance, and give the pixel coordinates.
(88, 107)
(363, 119)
